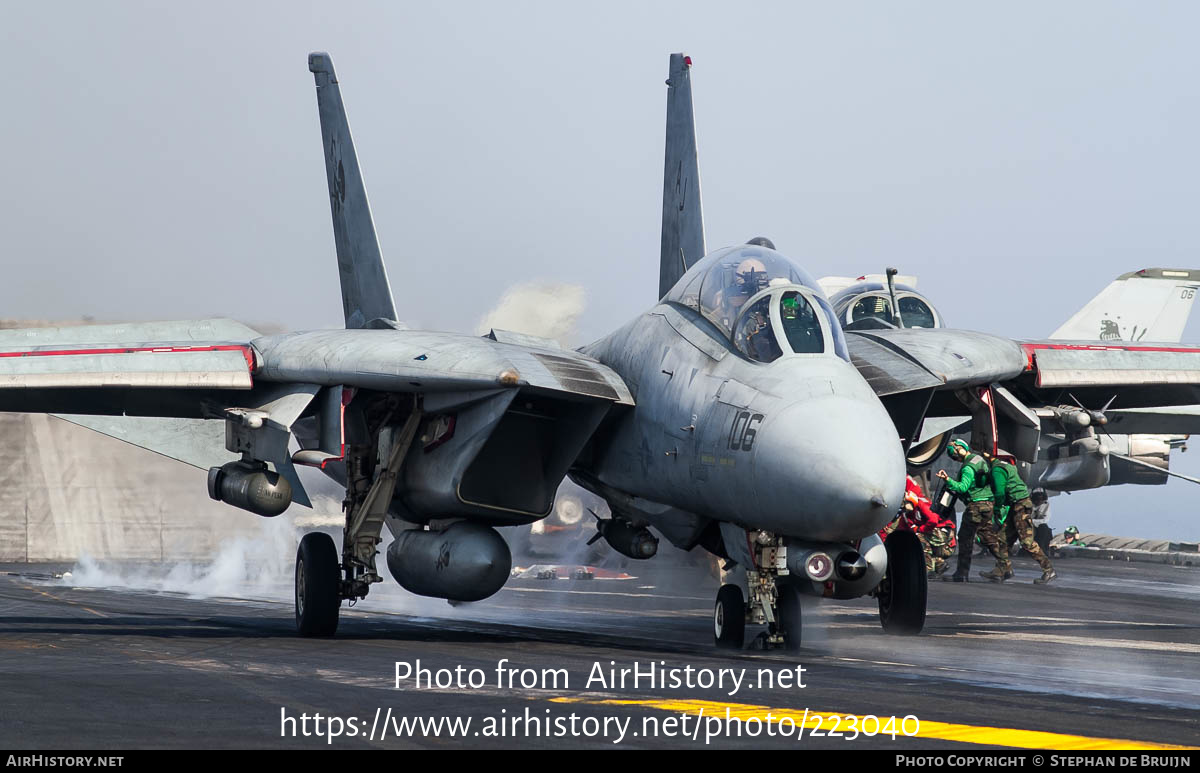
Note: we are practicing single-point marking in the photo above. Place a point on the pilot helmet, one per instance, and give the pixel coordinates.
(749, 277)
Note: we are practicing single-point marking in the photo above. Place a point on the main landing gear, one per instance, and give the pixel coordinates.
(902, 592)
(325, 577)
(318, 585)
(772, 602)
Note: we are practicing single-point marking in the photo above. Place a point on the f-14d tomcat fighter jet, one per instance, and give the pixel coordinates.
(734, 415)
(444, 437)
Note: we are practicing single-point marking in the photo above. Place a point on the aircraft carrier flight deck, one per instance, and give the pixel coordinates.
(1105, 657)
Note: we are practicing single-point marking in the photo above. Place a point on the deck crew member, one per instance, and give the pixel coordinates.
(974, 485)
(1013, 503)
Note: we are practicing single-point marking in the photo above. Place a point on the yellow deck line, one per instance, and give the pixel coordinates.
(988, 736)
(65, 601)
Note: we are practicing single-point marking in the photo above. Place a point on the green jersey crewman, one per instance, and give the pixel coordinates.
(1071, 537)
(973, 484)
(1013, 500)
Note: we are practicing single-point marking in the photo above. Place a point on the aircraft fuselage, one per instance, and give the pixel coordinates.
(799, 446)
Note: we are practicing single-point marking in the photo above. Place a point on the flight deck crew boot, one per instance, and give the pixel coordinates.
(1046, 577)
(996, 575)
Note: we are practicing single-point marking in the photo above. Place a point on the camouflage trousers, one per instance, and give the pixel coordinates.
(978, 519)
(926, 549)
(939, 546)
(1021, 516)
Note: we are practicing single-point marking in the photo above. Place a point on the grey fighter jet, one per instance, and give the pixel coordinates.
(734, 415)
(676, 419)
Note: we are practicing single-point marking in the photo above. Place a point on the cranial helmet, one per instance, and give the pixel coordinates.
(958, 448)
(751, 275)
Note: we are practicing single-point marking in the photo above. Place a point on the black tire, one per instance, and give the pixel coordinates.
(790, 617)
(1042, 536)
(729, 618)
(318, 575)
(903, 591)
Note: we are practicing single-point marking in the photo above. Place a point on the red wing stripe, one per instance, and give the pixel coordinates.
(246, 351)
(1031, 349)
(1106, 347)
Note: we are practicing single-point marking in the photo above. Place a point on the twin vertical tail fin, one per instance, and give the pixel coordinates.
(366, 295)
(683, 217)
(1148, 305)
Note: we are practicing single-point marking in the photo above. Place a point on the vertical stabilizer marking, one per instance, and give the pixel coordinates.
(366, 294)
(1151, 305)
(683, 216)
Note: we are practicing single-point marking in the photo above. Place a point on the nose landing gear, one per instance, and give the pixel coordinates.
(729, 618)
(789, 617)
(772, 603)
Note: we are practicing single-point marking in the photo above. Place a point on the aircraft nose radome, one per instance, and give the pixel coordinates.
(833, 469)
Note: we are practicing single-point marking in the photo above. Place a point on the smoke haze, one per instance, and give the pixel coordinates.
(546, 309)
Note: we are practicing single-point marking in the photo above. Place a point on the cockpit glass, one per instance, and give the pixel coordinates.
(872, 306)
(734, 276)
(915, 312)
(800, 324)
(720, 285)
(754, 336)
(835, 328)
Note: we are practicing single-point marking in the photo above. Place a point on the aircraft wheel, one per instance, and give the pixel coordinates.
(318, 575)
(729, 618)
(787, 608)
(902, 593)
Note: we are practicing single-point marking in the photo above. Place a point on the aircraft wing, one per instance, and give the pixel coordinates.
(98, 368)
(901, 360)
(422, 361)
(929, 378)
(1088, 364)
(171, 387)
(133, 369)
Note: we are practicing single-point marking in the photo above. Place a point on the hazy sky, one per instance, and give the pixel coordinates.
(164, 161)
